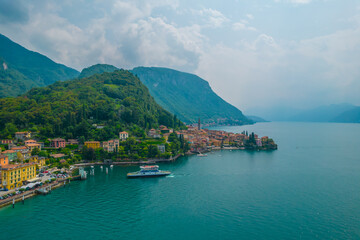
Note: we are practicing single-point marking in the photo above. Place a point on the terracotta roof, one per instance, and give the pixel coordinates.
(123, 132)
(18, 148)
(58, 155)
(13, 166)
(58, 139)
(8, 151)
(32, 144)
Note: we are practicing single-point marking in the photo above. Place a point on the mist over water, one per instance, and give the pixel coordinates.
(308, 188)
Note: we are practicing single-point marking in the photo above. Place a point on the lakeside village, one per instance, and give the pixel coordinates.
(27, 164)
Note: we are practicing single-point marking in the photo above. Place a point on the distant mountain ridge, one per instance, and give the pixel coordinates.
(22, 69)
(189, 97)
(256, 118)
(349, 116)
(344, 112)
(322, 114)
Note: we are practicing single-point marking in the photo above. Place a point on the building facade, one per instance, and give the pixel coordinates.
(13, 175)
(123, 135)
(92, 144)
(111, 146)
(58, 143)
(39, 161)
(22, 135)
(23, 150)
(6, 141)
(4, 160)
(11, 154)
(32, 144)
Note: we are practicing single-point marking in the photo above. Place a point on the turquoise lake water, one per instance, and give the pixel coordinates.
(308, 189)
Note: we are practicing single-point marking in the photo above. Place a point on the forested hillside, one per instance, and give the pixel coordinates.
(70, 109)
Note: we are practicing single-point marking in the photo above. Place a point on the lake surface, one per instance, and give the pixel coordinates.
(308, 189)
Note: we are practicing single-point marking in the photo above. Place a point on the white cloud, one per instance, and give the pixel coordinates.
(137, 38)
(264, 72)
(242, 25)
(250, 16)
(212, 17)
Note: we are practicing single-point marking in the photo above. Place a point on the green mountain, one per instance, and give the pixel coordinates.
(21, 69)
(97, 69)
(188, 96)
(349, 116)
(71, 109)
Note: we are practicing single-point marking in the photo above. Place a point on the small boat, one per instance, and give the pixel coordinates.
(201, 155)
(111, 166)
(92, 166)
(148, 171)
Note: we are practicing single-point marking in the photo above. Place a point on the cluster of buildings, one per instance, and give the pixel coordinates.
(108, 146)
(13, 175)
(205, 139)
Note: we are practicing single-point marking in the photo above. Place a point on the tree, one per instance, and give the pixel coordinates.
(153, 151)
(20, 157)
(35, 151)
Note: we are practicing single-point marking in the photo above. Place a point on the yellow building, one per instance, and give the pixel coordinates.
(39, 161)
(92, 144)
(13, 175)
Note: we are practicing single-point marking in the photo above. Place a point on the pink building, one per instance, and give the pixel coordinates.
(58, 143)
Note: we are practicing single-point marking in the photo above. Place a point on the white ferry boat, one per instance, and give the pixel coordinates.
(202, 155)
(148, 171)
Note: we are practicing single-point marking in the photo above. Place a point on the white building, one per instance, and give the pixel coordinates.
(123, 135)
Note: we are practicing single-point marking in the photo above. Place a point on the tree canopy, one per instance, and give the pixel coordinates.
(96, 107)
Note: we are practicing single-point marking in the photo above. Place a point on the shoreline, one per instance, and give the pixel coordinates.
(152, 161)
(31, 193)
(60, 183)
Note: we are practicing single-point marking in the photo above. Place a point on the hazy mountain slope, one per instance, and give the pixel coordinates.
(322, 113)
(256, 118)
(277, 113)
(188, 96)
(97, 69)
(349, 116)
(35, 69)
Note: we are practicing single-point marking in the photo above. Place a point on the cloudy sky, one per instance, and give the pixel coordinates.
(254, 53)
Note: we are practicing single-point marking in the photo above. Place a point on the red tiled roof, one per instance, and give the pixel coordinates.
(8, 151)
(18, 148)
(13, 166)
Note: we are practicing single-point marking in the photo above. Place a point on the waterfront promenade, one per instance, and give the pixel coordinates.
(30, 193)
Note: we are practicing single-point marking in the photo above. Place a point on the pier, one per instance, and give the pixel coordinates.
(42, 190)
